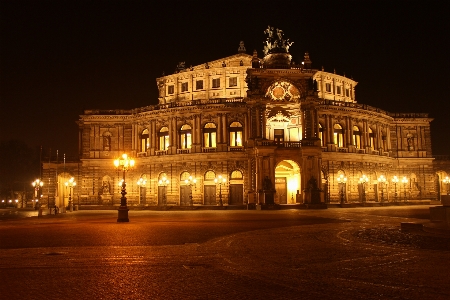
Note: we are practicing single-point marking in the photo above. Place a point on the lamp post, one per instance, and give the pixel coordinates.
(37, 184)
(404, 181)
(342, 180)
(164, 182)
(220, 180)
(446, 180)
(123, 163)
(141, 183)
(382, 181)
(190, 182)
(395, 180)
(363, 180)
(70, 184)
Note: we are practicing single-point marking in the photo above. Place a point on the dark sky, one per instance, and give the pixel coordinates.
(60, 57)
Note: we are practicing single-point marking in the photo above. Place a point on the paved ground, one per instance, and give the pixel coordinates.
(342, 253)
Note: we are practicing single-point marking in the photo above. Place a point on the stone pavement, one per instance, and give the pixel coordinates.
(358, 253)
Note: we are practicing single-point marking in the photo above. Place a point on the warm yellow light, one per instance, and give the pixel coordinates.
(395, 179)
(404, 180)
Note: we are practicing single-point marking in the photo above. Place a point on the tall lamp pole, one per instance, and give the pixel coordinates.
(164, 182)
(190, 182)
(123, 163)
(382, 181)
(342, 180)
(395, 180)
(37, 184)
(446, 180)
(404, 181)
(141, 183)
(70, 183)
(220, 180)
(363, 180)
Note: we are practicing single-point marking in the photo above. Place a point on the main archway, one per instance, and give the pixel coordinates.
(287, 182)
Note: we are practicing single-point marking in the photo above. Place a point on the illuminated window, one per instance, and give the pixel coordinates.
(236, 175)
(199, 84)
(216, 83)
(278, 135)
(233, 81)
(371, 138)
(356, 137)
(145, 142)
(184, 87)
(338, 135)
(210, 175)
(209, 135)
(186, 137)
(328, 87)
(163, 138)
(235, 134)
(170, 89)
(320, 134)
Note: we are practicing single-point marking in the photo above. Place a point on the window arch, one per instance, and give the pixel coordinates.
(235, 131)
(236, 174)
(163, 138)
(107, 141)
(338, 135)
(209, 135)
(356, 137)
(210, 176)
(145, 141)
(186, 137)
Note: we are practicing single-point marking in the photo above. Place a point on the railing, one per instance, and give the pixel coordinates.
(361, 151)
(161, 152)
(142, 154)
(235, 149)
(183, 151)
(209, 149)
(342, 149)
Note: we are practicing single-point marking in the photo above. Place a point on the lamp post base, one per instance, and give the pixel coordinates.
(122, 214)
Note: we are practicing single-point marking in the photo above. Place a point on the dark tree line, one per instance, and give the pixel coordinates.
(20, 165)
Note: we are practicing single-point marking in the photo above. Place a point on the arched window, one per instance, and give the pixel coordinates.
(210, 176)
(235, 134)
(320, 134)
(107, 141)
(185, 137)
(236, 175)
(338, 135)
(371, 138)
(356, 137)
(145, 141)
(163, 138)
(209, 135)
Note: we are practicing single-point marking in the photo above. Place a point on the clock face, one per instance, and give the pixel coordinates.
(283, 91)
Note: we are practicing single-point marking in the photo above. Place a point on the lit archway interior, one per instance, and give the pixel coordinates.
(287, 182)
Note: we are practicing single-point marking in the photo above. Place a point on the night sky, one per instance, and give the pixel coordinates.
(60, 57)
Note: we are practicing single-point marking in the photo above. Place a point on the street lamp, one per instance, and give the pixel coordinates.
(363, 180)
(190, 182)
(124, 163)
(342, 180)
(220, 180)
(395, 180)
(37, 184)
(164, 182)
(141, 183)
(70, 184)
(382, 181)
(404, 181)
(446, 180)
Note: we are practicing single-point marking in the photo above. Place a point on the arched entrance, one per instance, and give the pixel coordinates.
(287, 182)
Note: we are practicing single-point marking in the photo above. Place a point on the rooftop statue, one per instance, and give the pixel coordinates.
(275, 42)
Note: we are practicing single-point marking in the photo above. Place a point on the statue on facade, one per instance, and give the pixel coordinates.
(241, 48)
(275, 43)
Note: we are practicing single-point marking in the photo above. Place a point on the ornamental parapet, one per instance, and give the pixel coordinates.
(352, 105)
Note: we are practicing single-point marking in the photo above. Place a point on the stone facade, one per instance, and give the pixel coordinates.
(278, 132)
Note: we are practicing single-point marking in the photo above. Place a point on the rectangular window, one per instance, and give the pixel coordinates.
(199, 85)
(170, 89)
(233, 81)
(184, 87)
(338, 90)
(347, 93)
(328, 87)
(216, 83)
